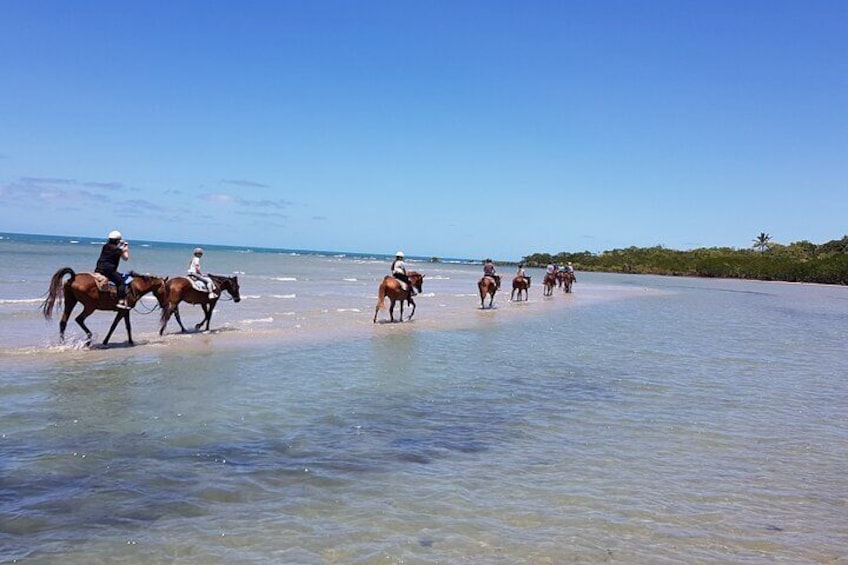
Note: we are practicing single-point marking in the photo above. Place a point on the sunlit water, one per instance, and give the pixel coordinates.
(639, 420)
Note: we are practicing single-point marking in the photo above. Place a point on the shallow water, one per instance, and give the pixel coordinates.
(639, 420)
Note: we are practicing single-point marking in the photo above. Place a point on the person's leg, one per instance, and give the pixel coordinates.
(121, 288)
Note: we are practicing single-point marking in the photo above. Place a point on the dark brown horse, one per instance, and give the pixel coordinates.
(549, 283)
(82, 287)
(565, 279)
(391, 288)
(488, 285)
(181, 289)
(520, 284)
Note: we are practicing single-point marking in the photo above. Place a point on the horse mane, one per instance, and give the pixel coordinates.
(145, 276)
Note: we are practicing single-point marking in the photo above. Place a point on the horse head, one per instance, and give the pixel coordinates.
(416, 279)
(230, 284)
(142, 284)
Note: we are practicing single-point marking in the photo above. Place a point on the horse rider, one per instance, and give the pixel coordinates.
(489, 271)
(107, 264)
(194, 272)
(520, 272)
(399, 272)
(570, 269)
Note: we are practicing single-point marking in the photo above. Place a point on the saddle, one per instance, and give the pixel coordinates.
(198, 284)
(105, 285)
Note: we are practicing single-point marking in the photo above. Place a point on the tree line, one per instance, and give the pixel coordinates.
(766, 260)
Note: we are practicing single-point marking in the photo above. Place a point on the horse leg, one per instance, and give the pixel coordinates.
(199, 325)
(70, 303)
(209, 315)
(129, 328)
(86, 312)
(117, 319)
(179, 320)
(165, 317)
(391, 309)
(412, 303)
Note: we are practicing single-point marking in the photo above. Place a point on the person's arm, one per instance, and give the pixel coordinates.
(125, 250)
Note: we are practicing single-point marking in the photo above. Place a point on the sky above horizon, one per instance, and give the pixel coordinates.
(450, 129)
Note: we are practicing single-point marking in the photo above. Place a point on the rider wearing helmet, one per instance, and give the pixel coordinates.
(194, 272)
(399, 272)
(107, 264)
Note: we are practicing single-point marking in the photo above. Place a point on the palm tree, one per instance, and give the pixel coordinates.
(762, 242)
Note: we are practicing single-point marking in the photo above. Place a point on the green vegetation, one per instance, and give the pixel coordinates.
(766, 260)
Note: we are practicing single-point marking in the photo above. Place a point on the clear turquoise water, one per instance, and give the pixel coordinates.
(640, 420)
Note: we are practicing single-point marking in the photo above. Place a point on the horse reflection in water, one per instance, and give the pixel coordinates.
(181, 289)
(83, 288)
(391, 288)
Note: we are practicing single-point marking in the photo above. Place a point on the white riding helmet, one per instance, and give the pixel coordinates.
(198, 250)
(399, 254)
(115, 234)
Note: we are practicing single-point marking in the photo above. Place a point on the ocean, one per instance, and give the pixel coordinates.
(640, 419)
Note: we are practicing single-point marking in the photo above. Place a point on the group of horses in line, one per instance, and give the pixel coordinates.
(392, 289)
(93, 294)
(488, 286)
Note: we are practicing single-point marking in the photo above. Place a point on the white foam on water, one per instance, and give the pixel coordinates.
(284, 279)
(283, 295)
(351, 280)
(267, 320)
(21, 300)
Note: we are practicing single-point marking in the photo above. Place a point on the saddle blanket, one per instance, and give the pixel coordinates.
(105, 285)
(197, 284)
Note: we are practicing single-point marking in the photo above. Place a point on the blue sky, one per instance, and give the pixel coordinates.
(451, 129)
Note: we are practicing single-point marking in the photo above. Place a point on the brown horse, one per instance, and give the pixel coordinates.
(488, 285)
(549, 283)
(181, 289)
(391, 287)
(521, 284)
(565, 280)
(82, 287)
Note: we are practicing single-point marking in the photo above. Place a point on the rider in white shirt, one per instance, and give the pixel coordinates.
(399, 271)
(195, 273)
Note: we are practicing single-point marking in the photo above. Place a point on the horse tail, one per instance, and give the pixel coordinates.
(166, 309)
(381, 296)
(54, 291)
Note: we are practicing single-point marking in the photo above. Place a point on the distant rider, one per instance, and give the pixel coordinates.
(489, 271)
(195, 273)
(399, 272)
(107, 264)
(570, 269)
(520, 272)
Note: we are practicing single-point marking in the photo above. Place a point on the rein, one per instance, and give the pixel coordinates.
(145, 312)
